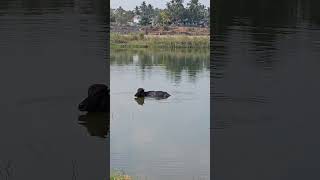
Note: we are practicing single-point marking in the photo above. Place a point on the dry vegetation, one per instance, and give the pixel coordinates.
(140, 40)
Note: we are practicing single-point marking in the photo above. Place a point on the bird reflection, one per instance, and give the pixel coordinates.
(139, 100)
(97, 123)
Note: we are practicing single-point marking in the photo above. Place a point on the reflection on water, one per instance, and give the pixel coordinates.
(167, 138)
(97, 123)
(140, 101)
(51, 51)
(265, 89)
(175, 62)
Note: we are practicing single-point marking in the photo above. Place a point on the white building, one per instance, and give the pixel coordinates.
(136, 19)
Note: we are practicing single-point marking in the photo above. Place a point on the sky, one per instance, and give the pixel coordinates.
(131, 4)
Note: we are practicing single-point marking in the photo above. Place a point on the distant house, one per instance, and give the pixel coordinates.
(153, 21)
(136, 19)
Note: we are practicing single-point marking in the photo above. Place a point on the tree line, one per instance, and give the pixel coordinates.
(175, 13)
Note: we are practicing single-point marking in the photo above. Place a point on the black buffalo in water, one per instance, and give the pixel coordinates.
(154, 94)
(98, 99)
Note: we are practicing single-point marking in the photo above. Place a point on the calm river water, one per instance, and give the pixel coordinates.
(51, 52)
(265, 90)
(160, 139)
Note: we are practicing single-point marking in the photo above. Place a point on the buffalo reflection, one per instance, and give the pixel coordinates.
(97, 123)
(139, 100)
(97, 106)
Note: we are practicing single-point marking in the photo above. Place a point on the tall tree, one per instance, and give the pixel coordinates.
(112, 16)
(147, 12)
(136, 10)
(207, 15)
(143, 7)
(122, 16)
(150, 10)
(176, 10)
(164, 18)
(195, 11)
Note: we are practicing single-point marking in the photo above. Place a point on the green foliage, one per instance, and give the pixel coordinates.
(146, 13)
(119, 175)
(164, 18)
(121, 16)
(112, 16)
(175, 13)
(145, 20)
(141, 36)
(137, 10)
(195, 11)
(176, 10)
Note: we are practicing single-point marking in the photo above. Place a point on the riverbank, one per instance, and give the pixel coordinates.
(161, 30)
(119, 175)
(140, 40)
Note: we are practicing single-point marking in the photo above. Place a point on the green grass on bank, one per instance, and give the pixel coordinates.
(119, 175)
(139, 40)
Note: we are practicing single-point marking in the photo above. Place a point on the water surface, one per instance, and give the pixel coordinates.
(51, 52)
(160, 139)
(265, 90)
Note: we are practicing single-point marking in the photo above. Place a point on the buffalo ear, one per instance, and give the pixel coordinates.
(83, 106)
